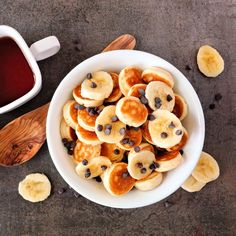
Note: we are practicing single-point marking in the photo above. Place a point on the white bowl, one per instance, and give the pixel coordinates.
(115, 61)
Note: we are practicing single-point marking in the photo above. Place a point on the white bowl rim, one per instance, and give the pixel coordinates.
(62, 171)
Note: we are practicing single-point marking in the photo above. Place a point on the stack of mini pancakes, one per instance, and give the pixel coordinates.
(125, 128)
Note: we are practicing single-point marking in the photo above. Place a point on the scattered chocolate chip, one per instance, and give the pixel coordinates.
(70, 152)
(178, 132)
(107, 131)
(131, 143)
(125, 141)
(103, 167)
(93, 85)
(181, 152)
(125, 174)
(114, 118)
(139, 165)
(99, 128)
(64, 141)
(109, 126)
(67, 145)
(116, 151)
(143, 100)
(88, 109)
(128, 127)
(168, 204)
(87, 173)
(122, 131)
(212, 106)
(89, 76)
(61, 191)
(157, 100)
(141, 91)
(99, 111)
(85, 162)
(125, 157)
(72, 144)
(98, 179)
(218, 97)
(136, 128)
(151, 117)
(137, 149)
(171, 125)
(169, 98)
(92, 112)
(188, 67)
(153, 166)
(158, 105)
(164, 135)
(76, 106)
(81, 107)
(143, 170)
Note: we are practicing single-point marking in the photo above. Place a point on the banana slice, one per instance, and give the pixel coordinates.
(137, 90)
(158, 74)
(85, 101)
(207, 169)
(166, 129)
(181, 144)
(107, 126)
(209, 61)
(150, 182)
(117, 180)
(98, 87)
(128, 77)
(142, 147)
(132, 138)
(116, 93)
(35, 187)
(92, 168)
(160, 96)
(112, 151)
(85, 151)
(146, 133)
(180, 109)
(131, 111)
(168, 161)
(85, 136)
(192, 185)
(141, 164)
(66, 131)
(70, 113)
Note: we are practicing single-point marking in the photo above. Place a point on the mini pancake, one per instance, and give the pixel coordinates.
(168, 161)
(85, 151)
(112, 151)
(180, 109)
(146, 134)
(137, 90)
(142, 147)
(128, 77)
(116, 93)
(131, 111)
(70, 113)
(116, 179)
(66, 131)
(132, 138)
(158, 74)
(182, 143)
(85, 136)
(85, 101)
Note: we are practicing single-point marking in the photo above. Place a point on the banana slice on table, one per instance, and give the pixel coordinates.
(128, 77)
(150, 182)
(85, 151)
(132, 138)
(137, 90)
(116, 93)
(92, 168)
(131, 111)
(146, 133)
(98, 87)
(158, 74)
(85, 101)
(160, 96)
(85, 136)
(180, 109)
(165, 129)
(168, 161)
(141, 164)
(66, 131)
(209, 61)
(108, 127)
(142, 147)
(192, 185)
(70, 113)
(117, 180)
(207, 169)
(112, 151)
(35, 187)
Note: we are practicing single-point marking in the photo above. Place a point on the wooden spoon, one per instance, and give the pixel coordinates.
(22, 138)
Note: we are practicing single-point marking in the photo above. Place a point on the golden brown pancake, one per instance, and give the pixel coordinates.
(146, 134)
(116, 93)
(132, 76)
(178, 108)
(73, 112)
(86, 118)
(166, 156)
(84, 135)
(77, 92)
(112, 151)
(134, 90)
(181, 144)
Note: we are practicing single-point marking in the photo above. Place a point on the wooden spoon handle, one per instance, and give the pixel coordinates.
(23, 137)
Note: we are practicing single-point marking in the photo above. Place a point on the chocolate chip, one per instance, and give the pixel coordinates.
(125, 174)
(64, 140)
(72, 144)
(81, 107)
(67, 145)
(85, 162)
(109, 126)
(131, 143)
(178, 132)
(169, 98)
(61, 191)
(122, 131)
(139, 165)
(164, 135)
(92, 112)
(93, 85)
(98, 179)
(171, 125)
(143, 170)
(212, 106)
(103, 167)
(99, 128)
(114, 118)
(181, 152)
(70, 152)
(143, 100)
(151, 117)
(76, 106)
(158, 105)
(99, 111)
(116, 151)
(153, 166)
(88, 109)
(137, 149)
(89, 76)
(157, 100)
(136, 128)
(141, 91)
(218, 97)
(107, 131)
(125, 141)
(188, 67)
(87, 174)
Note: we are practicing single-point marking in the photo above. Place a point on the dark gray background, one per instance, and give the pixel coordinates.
(173, 30)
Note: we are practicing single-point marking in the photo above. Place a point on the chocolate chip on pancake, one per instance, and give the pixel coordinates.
(99, 128)
(158, 102)
(125, 174)
(125, 141)
(131, 143)
(76, 106)
(107, 131)
(171, 125)
(85, 162)
(93, 85)
(178, 132)
(114, 118)
(89, 76)
(139, 165)
(164, 135)
(143, 170)
(116, 151)
(81, 107)
(64, 141)
(104, 167)
(92, 112)
(87, 173)
(144, 100)
(153, 166)
(109, 126)
(137, 149)
(151, 117)
(169, 98)
(181, 151)
(122, 131)
(141, 91)
(98, 179)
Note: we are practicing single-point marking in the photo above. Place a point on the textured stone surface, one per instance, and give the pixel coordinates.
(173, 30)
